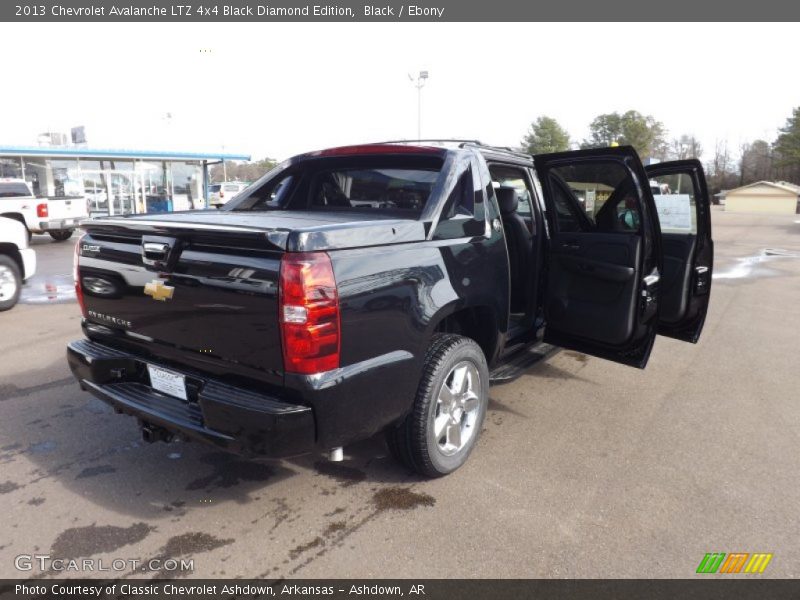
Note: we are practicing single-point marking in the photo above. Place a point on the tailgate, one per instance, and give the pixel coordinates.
(210, 295)
(67, 208)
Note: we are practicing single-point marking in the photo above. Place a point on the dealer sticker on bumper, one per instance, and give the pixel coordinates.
(168, 382)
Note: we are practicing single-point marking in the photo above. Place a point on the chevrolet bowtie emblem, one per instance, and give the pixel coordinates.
(158, 291)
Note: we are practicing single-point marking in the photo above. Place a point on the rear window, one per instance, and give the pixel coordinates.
(396, 185)
(12, 190)
(404, 189)
(214, 188)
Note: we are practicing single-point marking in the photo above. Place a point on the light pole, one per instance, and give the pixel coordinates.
(419, 83)
(224, 168)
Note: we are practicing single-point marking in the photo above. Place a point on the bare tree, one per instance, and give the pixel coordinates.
(685, 146)
(756, 163)
(720, 169)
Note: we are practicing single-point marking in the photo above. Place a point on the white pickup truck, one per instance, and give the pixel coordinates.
(17, 261)
(57, 216)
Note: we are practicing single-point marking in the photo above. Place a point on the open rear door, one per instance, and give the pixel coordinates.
(604, 262)
(684, 211)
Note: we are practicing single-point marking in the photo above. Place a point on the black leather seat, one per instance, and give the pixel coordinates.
(520, 247)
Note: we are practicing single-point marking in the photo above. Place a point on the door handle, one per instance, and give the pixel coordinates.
(701, 280)
(568, 246)
(652, 279)
(650, 291)
(155, 248)
(157, 252)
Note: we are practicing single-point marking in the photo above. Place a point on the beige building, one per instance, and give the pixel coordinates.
(779, 198)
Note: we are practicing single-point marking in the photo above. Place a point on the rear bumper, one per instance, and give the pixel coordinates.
(57, 225)
(234, 419)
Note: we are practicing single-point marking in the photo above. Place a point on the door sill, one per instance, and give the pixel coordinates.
(517, 363)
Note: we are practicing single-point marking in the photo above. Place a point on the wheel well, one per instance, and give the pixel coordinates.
(12, 252)
(478, 323)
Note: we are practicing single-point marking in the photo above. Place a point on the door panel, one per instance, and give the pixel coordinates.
(604, 263)
(592, 286)
(684, 210)
(678, 257)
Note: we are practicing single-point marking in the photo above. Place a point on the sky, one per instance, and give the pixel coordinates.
(274, 90)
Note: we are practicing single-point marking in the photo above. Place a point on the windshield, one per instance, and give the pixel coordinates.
(13, 190)
(400, 185)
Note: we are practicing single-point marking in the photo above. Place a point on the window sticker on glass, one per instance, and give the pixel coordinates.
(674, 211)
(589, 199)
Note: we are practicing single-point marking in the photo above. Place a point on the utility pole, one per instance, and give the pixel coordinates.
(419, 83)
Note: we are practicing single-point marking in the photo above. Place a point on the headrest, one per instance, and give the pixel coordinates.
(507, 199)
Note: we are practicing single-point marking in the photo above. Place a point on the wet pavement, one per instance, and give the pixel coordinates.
(757, 265)
(48, 289)
(585, 468)
(53, 281)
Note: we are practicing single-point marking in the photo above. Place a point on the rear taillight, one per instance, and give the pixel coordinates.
(309, 313)
(41, 210)
(221, 194)
(77, 275)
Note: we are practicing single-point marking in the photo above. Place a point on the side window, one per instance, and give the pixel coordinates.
(503, 176)
(461, 200)
(273, 194)
(567, 212)
(463, 212)
(596, 196)
(524, 206)
(675, 202)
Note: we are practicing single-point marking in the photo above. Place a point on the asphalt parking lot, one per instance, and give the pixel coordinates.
(585, 468)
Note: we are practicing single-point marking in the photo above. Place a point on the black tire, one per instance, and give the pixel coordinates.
(61, 235)
(414, 442)
(9, 268)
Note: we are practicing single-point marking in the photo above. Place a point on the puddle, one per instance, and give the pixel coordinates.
(42, 447)
(48, 289)
(85, 541)
(755, 266)
(8, 486)
(95, 471)
(295, 552)
(398, 498)
(193, 542)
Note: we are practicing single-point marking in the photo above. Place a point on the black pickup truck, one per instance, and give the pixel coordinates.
(377, 288)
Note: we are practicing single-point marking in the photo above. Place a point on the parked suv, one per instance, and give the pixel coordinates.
(220, 193)
(382, 288)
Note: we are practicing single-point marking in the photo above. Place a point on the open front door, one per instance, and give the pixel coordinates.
(604, 262)
(684, 211)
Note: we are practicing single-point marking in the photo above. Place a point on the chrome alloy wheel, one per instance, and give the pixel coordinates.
(457, 408)
(8, 283)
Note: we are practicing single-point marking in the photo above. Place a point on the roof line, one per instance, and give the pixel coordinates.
(118, 153)
(785, 186)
